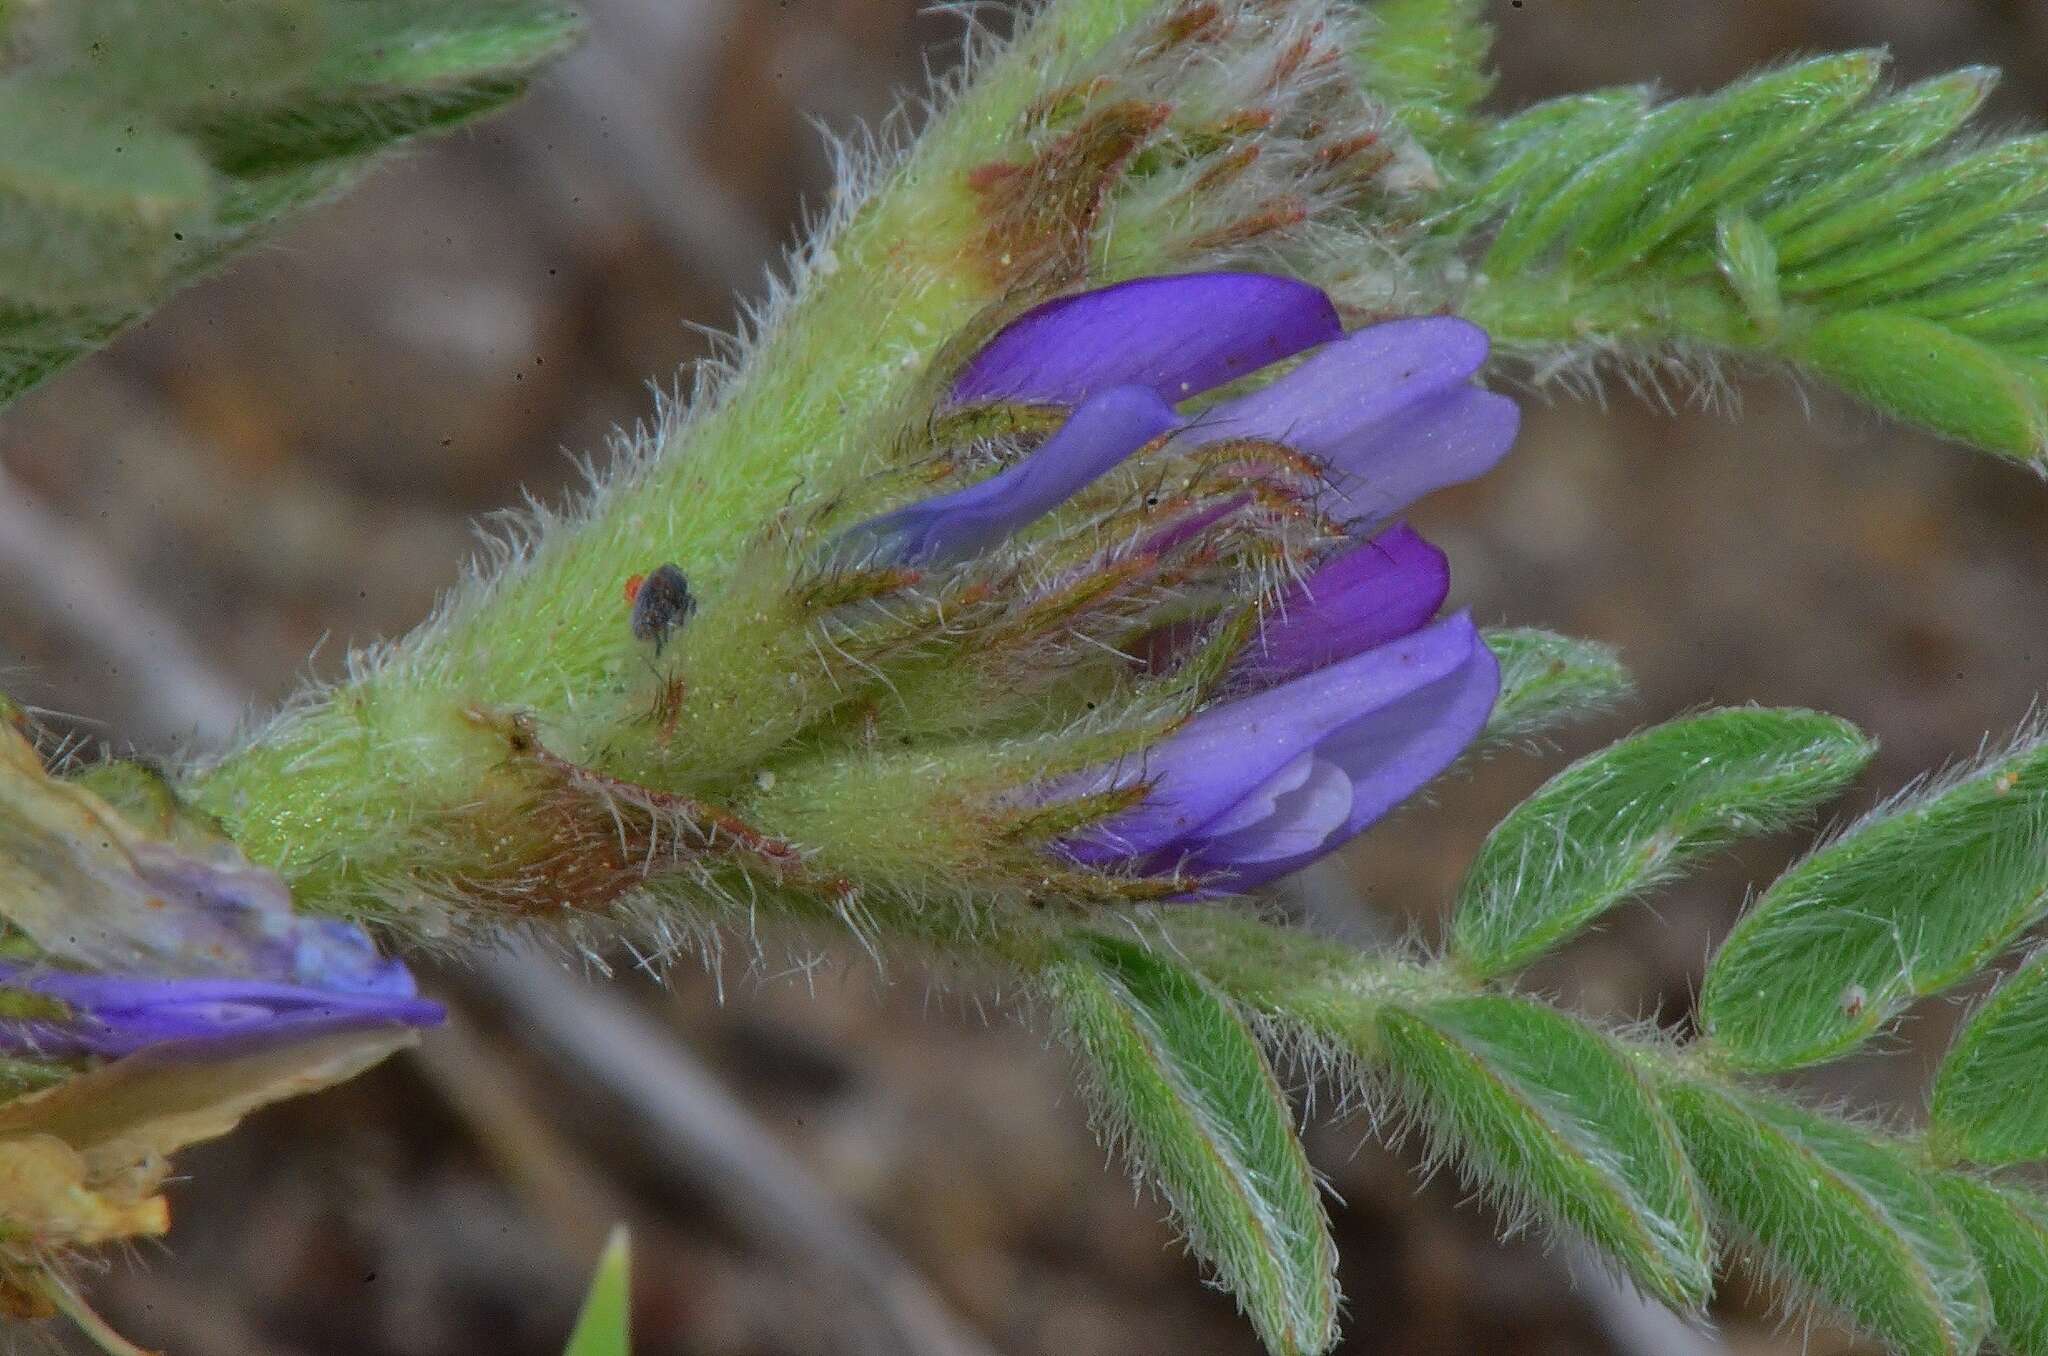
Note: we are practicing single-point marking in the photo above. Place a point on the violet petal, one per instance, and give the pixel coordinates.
(1365, 597)
(1101, 432)
(1202, 771)
(114, 1015)
(1446, 441)
(1353, 385)
(1178, 336)
(1385, 757)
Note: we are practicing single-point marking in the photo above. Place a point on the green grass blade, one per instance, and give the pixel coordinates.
(602, 1327)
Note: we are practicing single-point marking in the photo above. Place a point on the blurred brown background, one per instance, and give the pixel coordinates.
(285, 462)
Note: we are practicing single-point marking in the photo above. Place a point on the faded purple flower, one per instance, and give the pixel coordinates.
(208, 947)
(62, 1013)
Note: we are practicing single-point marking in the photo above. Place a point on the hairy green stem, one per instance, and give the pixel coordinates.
(319, 794)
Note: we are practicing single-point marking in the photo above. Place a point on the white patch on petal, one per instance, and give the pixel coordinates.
(1293, 811)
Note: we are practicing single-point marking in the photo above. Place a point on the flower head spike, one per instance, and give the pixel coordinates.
(1342, 698)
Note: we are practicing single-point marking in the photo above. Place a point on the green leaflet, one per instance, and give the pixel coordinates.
(1840, 1216)
(1678, 165)
(92, 199)
(1991, 1096)
(1871, 146)
(1907, 902)
(1841, 220)
(1547, 679)
(2006, 252)
(1750, 264)
(1530, 155)
(601, 1327)
(1549, 1115)
(392, 69)
(1926, 374)
(2009, 1230)
(142, 140)
(1706, 161)
(1180, 1080)
(1427, 60)
(1863, 149)
(1588, 174)
(1621, 820)
(1916, 216)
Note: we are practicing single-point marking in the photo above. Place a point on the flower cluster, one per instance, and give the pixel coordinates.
(1342, 696)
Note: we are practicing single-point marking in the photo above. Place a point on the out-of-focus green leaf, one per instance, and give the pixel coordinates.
(392, 69)
(93, 201)
(1427, 60)
(186, 54)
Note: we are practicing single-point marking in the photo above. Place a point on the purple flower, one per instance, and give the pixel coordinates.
(1390, 411)
(1349, 699)
(1251, 789)
(214, 951)
(61, 1013)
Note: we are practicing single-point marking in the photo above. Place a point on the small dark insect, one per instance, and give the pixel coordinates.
(661, 602)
